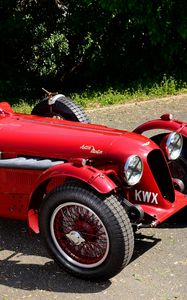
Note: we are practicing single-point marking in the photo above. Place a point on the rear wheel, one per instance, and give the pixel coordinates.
(90, 237)
(63, 108)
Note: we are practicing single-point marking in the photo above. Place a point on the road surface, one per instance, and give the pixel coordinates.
(158, 270)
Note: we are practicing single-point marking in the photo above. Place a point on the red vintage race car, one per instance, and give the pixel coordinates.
(84, 187)
(178, 167)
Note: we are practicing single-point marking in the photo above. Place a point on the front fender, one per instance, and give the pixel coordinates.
(92, 176)
(67, 171)
(170, 125)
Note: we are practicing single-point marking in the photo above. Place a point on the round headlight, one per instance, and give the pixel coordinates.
(133, 169)
(174, 143)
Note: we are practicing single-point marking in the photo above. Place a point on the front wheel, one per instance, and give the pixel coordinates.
(89, 237)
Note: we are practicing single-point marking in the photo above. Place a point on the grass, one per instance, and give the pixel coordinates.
(138, 92)
(23, 107)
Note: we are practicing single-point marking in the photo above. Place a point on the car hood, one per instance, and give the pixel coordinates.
(45, 137)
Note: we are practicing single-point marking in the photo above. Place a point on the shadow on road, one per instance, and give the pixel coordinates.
(40, 273)
(143, 243)
(19, 271)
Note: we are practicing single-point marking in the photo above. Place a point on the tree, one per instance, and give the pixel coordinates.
(74, 43)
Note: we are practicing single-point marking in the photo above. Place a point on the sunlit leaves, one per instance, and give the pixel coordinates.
(48, 55)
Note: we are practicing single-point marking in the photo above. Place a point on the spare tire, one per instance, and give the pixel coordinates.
(63, 108)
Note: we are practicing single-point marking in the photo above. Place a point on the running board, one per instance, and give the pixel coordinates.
(29, 163)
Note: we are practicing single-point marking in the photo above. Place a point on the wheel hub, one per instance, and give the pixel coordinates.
(75, 237)
(79, 235)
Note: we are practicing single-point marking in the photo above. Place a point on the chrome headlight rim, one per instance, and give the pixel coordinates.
(136, 171)
(173, 145)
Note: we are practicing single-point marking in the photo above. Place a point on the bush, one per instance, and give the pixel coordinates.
(71, 44)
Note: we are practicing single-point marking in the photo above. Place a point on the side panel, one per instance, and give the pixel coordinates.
(15, 188)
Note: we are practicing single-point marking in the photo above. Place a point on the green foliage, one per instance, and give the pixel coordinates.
(72, 44)
(23, 107)
(137, 92)
(33, 47)
(53, 50)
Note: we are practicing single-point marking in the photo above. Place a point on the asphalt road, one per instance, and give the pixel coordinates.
(158, 270)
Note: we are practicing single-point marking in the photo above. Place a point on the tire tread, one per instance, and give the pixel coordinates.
(117, 219)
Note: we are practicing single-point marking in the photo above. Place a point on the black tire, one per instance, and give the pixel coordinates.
(90, 237)
(63, 108)
(178, 167)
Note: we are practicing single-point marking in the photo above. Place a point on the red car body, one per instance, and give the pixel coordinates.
(165, 122)
(39, 154)
(70, 142)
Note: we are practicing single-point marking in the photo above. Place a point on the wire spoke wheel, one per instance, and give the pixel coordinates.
(88, 234)
(79, 235)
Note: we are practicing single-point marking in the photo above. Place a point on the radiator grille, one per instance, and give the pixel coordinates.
(161, 174)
